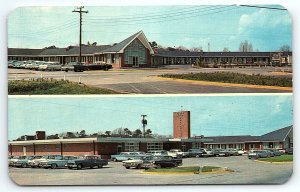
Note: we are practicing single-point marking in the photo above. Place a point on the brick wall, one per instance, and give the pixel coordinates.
(181, 124)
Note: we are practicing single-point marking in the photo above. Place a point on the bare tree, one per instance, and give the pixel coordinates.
(285, 48)
(225, 49)
(245, 47)
(196, 49)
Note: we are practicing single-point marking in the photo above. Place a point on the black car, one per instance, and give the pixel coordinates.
(195, 152)
(88, 67)
(90, 161)
(166, 161)
(221, 153)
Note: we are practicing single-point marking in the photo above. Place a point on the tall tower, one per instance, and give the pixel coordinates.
(181, 125)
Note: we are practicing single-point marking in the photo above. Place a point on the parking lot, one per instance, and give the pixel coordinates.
(145, 81)
(245, 172)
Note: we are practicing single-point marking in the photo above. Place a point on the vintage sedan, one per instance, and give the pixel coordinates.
(123, 156)
(90, 161)
(56, 161)
(195, 152)
(35, 162)
(23, 161)
(50, 66)
(69, 66)
(221, 153)
(255, 154)
(11, 161)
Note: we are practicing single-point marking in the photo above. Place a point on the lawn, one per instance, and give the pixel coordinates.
(229, 77)
(282, 158)
(193, 169)
(52, 87)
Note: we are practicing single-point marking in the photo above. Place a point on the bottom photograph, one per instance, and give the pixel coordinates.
(150, 139)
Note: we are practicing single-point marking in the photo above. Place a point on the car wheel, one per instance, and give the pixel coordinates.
(197, 155)
(158, 166)
(23, 165)
(114, 160)
(100, 166)
(53, 166)
(127, 167)
(139, 166)
(79, 166)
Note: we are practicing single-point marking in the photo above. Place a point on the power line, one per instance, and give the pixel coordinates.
(263, 7)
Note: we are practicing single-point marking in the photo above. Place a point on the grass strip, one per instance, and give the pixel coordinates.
(52, 87)
(230, 77)
(282, 158)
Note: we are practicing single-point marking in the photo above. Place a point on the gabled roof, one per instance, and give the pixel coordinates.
(277, 135)
(24, 51)
(119, 47)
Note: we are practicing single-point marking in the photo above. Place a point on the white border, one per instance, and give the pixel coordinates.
(7, 6)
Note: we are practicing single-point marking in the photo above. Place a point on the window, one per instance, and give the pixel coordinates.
(196, 145)
(113, 58)
(135, 52)
(154, 146)
(132, 146)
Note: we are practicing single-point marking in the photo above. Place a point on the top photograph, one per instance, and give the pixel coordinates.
(149, 50)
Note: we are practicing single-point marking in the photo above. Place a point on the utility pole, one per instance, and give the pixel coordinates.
(144, 123)
(80, 11)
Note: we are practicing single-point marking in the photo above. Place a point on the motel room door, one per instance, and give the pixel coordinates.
(24, 150)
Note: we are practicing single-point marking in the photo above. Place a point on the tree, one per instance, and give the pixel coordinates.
(182, 48)
(118, 132)
(50, 47)
(148, 133)
(82, 133)
(127, 132)
(137, 133)
(153, 44)
(245, 47)
(107, 133)
(285, 48)
(225, 49)
(88, 43)
(94, 44)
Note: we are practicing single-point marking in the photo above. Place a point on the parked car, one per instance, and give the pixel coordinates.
(93, 66)
(195, 152)
(166, 161)
(254, 154)
(158, 153)
(23, 161)
(35, 162)
(221, 153)
(126, 156)
(90, 161)
(177, 153)
(35, 65)
(241, 152)
(69, 66)
(56, 161)
(11, 161)
(137, 162)
(270, 153)
(289, 151)
(50, 66)
(207, 152)
(233, 152)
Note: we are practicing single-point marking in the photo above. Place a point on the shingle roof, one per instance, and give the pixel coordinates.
(119, 46)
(74, 50)
(177, 53)
(24, 51)
(277, 135)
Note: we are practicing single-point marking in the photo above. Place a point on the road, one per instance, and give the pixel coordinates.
(145, 81)
(246, 172)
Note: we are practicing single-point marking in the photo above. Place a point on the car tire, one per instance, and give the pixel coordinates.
(53, 166)
(100, 166)
(197, 156)
(114, 160)
(127, 167)
(79, 166)
(158, 166)
(139, 166)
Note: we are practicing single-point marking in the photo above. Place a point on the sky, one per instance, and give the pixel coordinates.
(170, 26)
(211, 115)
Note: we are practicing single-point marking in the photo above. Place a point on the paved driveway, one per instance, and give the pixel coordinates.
(139, 81)
(246, 172)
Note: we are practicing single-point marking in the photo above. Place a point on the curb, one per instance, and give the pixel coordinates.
(283, 162)
(227, 84)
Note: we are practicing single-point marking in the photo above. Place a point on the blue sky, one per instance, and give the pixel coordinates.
(189, 26)
(210, 115)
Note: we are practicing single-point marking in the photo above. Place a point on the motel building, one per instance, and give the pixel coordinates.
(107, 146)
(135, 51)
